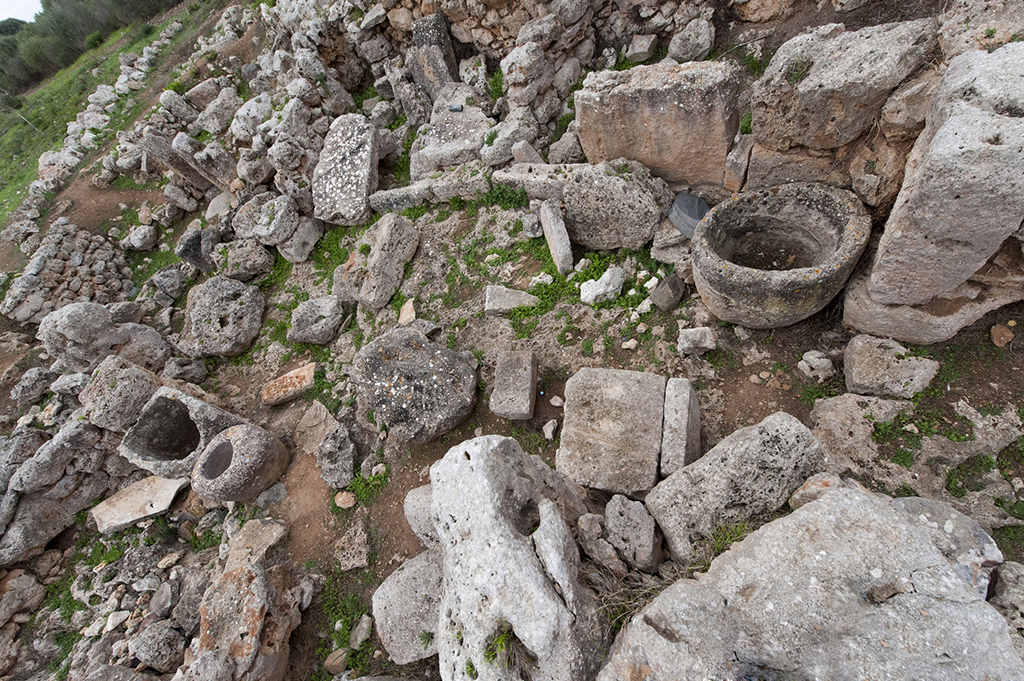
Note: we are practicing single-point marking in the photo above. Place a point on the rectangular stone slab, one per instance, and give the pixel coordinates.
(515, 385)
(611, 438)
(680, 438)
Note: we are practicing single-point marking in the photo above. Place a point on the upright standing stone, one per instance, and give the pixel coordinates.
(680, 439)
(556, 235)
(515, 385)
(347, 172)
(678, 120)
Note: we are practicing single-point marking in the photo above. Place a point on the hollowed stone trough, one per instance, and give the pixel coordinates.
(774, 257)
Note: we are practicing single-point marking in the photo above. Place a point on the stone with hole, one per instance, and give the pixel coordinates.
(239, 463)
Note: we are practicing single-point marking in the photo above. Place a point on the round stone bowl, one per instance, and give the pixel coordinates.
(774, 257)
(238, 464)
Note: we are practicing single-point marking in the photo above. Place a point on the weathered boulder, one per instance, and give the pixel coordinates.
(316, 320)
(877, 366)
(216, 117)
(160, 646)
(749, 473)
(677, 120)
(408, 604)
(278, 219)
(299, 246)
(611, 437)
(503, 514)
(607, 287)
(242, 259)
(373, 277)
(614, 205)
(80, 335)
(694, 42)
(347, 171)
(420, 517)
(632, 531)
(1008, 599)
(417, 389)
(222, 318)
(846, 585)
(963, 174)
(825, 87)
(249, 116)
(518, 126)
(118, 391)
(335, 457)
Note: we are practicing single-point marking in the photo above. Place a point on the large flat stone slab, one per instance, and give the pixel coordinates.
(138, 501)
(347, 172)
(611, 438)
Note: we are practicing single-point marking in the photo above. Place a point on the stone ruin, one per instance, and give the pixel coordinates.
(761, 193)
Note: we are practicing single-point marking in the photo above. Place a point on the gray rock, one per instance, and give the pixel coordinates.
(195, 247)
(185, 369)
(515, 385)
(614, 205)
(651, 113)
(668, 293)
(249, 117)
(299, 246)
(70, 384)
(966, 546)
(373, 278)
(604, 289)
(696, 341)
(316, 320)
(216, 117)
(821, 590)
(694, 42)
(248, 214)
(242, 259)
(417, 388)
(253, 167)
(488, 496)
(222, 318)
(161, 647)
(453, 137)
(557, 236)
(876, 366)
(518, 126)
(23, 594)
(239, 463)
(751, 472)
(141, 238)
(687, 210)
(807, 94)
(335, 457)
(594, 544)
(1008, 599)
(171, 432)
(278, 220)
(964, 170)
(178, 107)
(523, 152)
(406, 604)
(34, 383)
(611, 437)
(118, 391)
(429, 69)
(680, 438)
(631, 530)
(138, 501)
(816, 364)
(347, 171)
(164, 599)
(845, 426)
(419, 516)
(567, 149)
(397, 199)
(80, 335)
(500, 301)
(181, 198)
(640, 49)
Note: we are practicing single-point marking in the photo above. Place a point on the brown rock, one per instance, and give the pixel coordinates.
(288, 387)
(1001, 335)
(654, 115)
(336, 662)
(344, 499)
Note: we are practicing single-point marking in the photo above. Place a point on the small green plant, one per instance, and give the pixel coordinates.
(470, 669)
(495, 85)
(587, 347)
(903, 457)
(797, 70)
(622, 64)
(492, 135)
(426, 638)
(364, 249)
(756, 65)
(367, 490)
(208, 540)
(746, 123)
(726, 535)
(990, 33)
(415, 212)
(967, 477)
